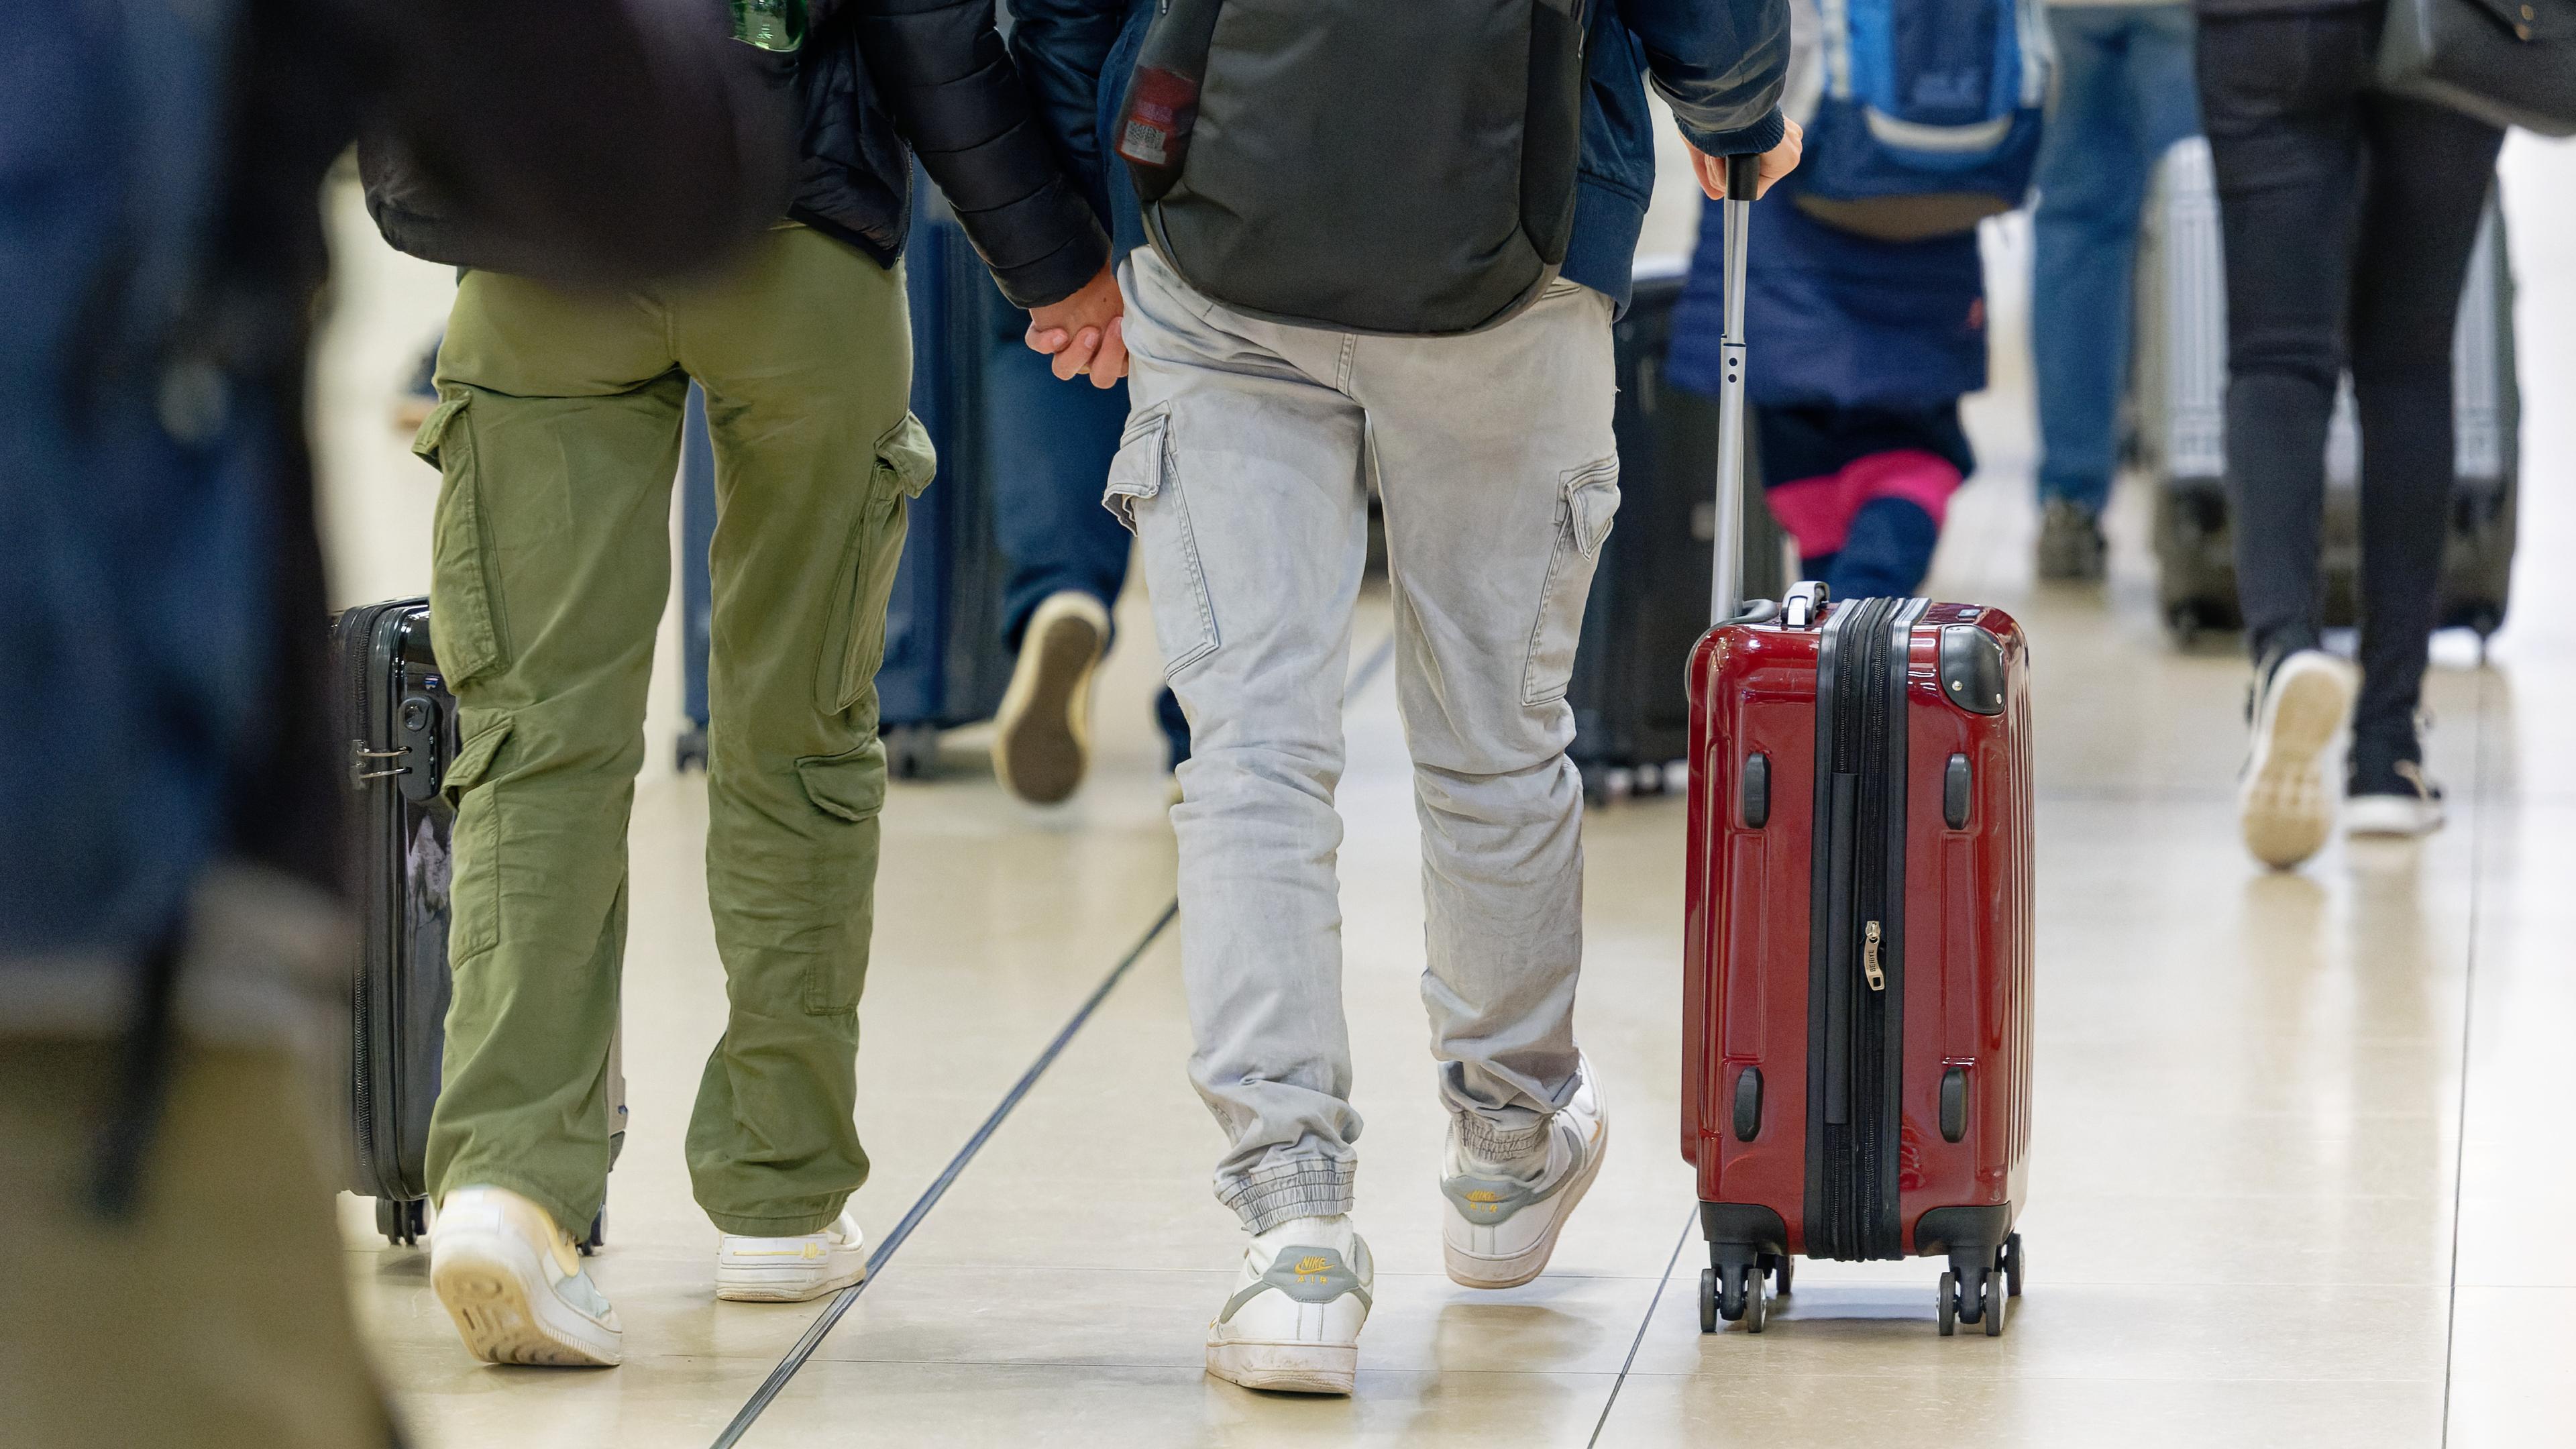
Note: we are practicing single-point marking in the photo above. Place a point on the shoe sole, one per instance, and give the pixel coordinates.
(779, 1285)
(2390, 817)
(1475, 1270)
(1039, 747)
(1286, 1368)
(2286, 808)
(484, 1283)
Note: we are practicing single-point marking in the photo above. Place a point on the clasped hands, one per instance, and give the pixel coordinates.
(1085, 334)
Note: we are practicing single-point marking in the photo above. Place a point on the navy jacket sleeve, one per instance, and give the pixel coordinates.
(943, 71)
(1720, 64)
(1063, 47)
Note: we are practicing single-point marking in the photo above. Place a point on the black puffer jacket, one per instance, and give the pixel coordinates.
(872, 76)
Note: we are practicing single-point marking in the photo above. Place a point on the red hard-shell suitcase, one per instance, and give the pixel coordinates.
(1857, 958)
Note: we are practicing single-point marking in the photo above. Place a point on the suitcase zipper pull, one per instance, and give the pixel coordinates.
(1869, 957)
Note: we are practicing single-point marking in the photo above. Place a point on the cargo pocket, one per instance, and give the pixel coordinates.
(854, 647)
(475, 924)
(1586, 502)
(850, 788)
(1145, 493)
(466, 624)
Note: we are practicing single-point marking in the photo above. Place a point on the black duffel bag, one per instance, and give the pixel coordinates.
(1383, 166)
(2506, 62)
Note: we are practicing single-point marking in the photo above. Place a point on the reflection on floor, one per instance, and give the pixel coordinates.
(2301, 1163)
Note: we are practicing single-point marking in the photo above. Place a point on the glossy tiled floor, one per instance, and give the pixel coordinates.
(2300, 1176)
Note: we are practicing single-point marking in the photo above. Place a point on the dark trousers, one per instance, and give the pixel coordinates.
(2348, 215)
(1050, 443)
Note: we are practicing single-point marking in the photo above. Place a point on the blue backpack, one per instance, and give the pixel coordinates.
(1929, 117)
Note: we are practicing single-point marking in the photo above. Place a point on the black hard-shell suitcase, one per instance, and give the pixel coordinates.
(944, 661)
(1649, 600)
(394, 711)
(2177, 407)
(400, 724)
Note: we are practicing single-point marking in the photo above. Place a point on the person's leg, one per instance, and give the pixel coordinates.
(1240, 472)
(1500, 477)
(2430, 168)
(215, 1312)
(557, 440)
(1049, 443)
(2279, 99)
(804, 351)
(2084, 237)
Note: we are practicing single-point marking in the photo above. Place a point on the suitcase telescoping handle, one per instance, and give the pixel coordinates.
(1726, 579)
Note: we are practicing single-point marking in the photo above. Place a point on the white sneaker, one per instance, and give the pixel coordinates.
(2285, 804)
(514, 1284)
(1504, 1216)
(2411, 809)
(1042, 732)
(791, 1270)
(1293, 1321)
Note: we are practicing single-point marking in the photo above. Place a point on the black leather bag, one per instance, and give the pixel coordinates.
(2508, 62)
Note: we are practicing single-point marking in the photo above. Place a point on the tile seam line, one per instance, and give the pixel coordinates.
(1679, 1242)
(802, 1352)
(2479, 814)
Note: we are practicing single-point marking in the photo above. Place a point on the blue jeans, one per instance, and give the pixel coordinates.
(2125, 94)
(1050, 443)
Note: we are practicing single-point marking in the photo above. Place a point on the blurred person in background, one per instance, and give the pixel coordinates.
(557, 439)
(1067, 556)
(2348, 215)
(170, 930)
(1867, 347)
(1869, 317)
(2124, 96)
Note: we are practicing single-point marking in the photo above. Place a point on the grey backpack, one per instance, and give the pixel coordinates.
(1386, 166)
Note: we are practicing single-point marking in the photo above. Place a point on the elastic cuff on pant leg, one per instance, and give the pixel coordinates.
(1305, 1187)
(1501, 1141)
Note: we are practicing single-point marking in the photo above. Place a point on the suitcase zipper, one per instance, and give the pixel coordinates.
(1860, 801)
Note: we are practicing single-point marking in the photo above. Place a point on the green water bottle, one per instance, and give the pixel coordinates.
(777, 25)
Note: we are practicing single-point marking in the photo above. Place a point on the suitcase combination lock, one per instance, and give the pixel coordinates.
(1869, 957)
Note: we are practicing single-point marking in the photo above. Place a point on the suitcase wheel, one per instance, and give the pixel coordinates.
(1734, 1292)
(1783, 1268)
(404, 1222)
(2011, 1265)
(1975, 1293)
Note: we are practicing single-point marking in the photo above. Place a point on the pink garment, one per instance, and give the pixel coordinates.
(1818, 511)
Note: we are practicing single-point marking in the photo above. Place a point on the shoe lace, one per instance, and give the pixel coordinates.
(2413, 774)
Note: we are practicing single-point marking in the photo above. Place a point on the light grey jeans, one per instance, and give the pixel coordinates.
(1242, 473)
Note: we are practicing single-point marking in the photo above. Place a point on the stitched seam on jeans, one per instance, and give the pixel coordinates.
(1530, 694)
(1173, 491)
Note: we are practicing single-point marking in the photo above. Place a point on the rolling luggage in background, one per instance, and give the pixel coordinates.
(1631, 717)
(400, 722)
(2178, 395)
(1857, 959)
(944, 661)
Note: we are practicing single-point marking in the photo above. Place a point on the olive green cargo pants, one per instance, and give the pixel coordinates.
(557, 439)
